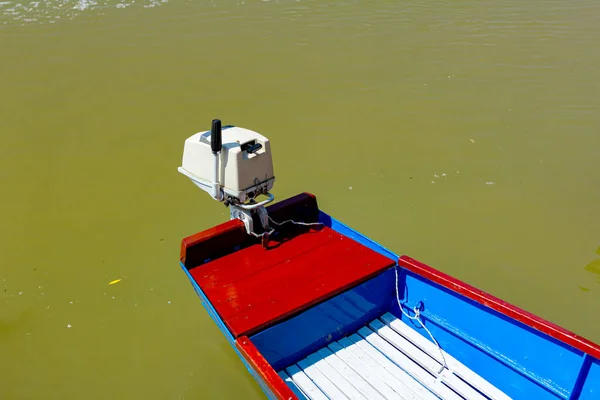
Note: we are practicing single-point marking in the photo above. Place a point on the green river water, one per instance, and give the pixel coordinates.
(464, 134)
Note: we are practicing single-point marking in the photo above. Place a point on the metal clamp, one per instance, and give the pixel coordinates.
(257, 205)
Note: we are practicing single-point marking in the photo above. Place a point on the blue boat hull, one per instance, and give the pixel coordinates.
(521, 355)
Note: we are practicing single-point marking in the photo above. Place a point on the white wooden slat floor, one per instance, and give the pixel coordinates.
(385, 360)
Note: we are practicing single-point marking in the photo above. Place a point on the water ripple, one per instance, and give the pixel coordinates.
(51, 11)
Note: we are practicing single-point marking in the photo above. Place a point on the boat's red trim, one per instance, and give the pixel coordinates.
(501, 306)
(264, 369)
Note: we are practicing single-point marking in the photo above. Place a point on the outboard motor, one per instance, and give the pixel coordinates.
(233, 165)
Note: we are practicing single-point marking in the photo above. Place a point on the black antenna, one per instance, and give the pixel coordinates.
(215, 136)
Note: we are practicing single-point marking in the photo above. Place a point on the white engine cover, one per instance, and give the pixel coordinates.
(241, 175)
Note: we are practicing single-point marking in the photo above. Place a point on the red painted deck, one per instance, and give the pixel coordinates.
(255, 287)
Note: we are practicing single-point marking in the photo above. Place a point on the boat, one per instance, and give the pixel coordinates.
(316, 310)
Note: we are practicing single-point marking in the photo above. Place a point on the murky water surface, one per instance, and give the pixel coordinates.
(463, 134)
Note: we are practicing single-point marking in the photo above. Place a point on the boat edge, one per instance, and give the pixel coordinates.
(263, 369)
(511, 311)
(272, 387)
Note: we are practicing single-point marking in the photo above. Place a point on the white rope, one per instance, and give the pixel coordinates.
(260, 235)
(417, 317)
(294, 222)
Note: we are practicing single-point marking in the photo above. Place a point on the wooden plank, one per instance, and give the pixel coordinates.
(456, 366)
(395, 376)
(240, 277)
(408, 365)
(406, 347)
(350, 375)
(303, 282)
(386, 360)
(324, 384)
(425, 360)
(254, 288)
(364, 370)
(335, 377)
(299, 379)
(222, 278)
